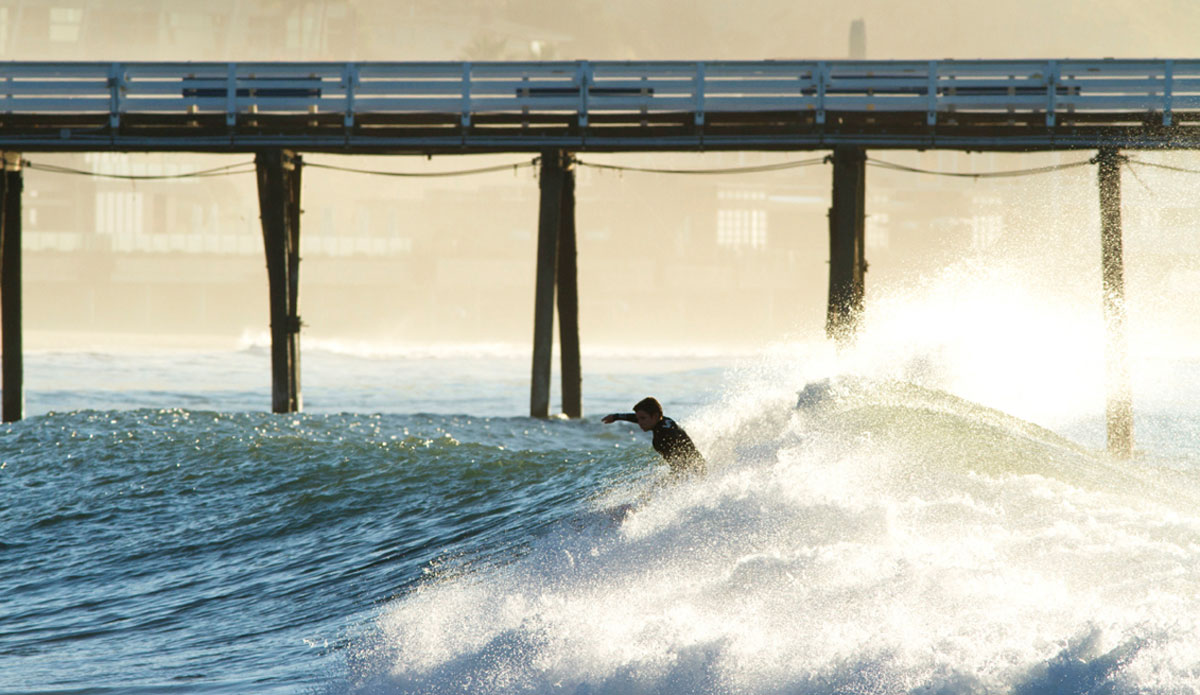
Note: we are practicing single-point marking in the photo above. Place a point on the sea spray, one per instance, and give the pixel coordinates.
(879, 536)
(903, 541)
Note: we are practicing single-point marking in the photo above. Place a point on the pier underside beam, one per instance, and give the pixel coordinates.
(1119, 388)
(279, 204)
(551, 181)
(568, 297)
(847, 254)
(11, 341)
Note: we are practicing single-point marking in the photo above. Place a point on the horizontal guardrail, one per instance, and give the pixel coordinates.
(585, 93)
(584, 88)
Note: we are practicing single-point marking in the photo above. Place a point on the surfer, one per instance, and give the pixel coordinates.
(670, 440)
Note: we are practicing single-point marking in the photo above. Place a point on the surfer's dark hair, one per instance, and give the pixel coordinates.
(649, 405)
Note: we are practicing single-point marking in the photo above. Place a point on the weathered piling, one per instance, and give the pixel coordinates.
(1119, 408)
(847, 253)
(11, 341)
(279, 204)
(568, 298)
(551, 182)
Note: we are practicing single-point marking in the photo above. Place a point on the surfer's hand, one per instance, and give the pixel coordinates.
(609, 419)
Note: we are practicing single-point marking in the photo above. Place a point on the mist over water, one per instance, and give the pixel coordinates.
(886, 539)
(918, 522)
(926, 511)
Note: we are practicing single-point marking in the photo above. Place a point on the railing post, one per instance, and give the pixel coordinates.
(116, 85)
(1119, 406)
(932, 95)
(466, 98)
(583, 75)
(1052, 93)
(11, 341)
(349, 82)
(279, 202)
(1168, 92)
(231, 109)
(822, 76)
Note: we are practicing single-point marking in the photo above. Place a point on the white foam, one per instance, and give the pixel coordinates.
(853, 552)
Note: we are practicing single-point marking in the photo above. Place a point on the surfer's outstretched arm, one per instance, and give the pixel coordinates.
(623, 417)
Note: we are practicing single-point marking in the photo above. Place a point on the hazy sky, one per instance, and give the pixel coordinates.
(695, 29)
(597, 29)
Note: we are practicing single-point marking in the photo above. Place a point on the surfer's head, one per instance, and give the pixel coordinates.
(648, 412)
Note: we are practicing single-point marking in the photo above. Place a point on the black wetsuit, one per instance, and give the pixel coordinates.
(673, 444)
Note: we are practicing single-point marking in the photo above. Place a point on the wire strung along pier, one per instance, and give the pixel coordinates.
(276, 111)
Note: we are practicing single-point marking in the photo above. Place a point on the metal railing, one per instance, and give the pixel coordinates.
(588, 95)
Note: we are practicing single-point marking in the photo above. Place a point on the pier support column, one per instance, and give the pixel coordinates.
(12, 362)
(550, 214)
(568, 297)
(1119, 409)
(279, 204)
(847, 252)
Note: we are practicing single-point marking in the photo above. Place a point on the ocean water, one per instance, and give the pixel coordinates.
(919, 522)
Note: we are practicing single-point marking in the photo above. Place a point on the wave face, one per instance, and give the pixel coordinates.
(876, 537)
(178, 551)
(881, 538)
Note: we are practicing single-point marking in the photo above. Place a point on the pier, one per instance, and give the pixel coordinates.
(556, 110)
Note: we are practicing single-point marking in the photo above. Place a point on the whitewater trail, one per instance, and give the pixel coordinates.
(879, 538)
